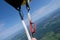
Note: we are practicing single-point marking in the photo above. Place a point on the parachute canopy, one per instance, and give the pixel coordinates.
(16, 3)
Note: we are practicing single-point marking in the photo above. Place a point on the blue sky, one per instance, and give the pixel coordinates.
(10, 20)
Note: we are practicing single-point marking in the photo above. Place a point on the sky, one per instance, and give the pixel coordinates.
(10, 22)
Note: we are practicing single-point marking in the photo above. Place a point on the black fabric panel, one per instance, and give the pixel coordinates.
(15, 3)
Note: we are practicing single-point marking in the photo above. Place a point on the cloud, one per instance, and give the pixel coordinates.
(45, 10)
(6, 33)
(1, 25)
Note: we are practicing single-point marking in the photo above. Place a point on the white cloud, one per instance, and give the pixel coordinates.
(10, 31)
(1, 25)
(45, 10)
